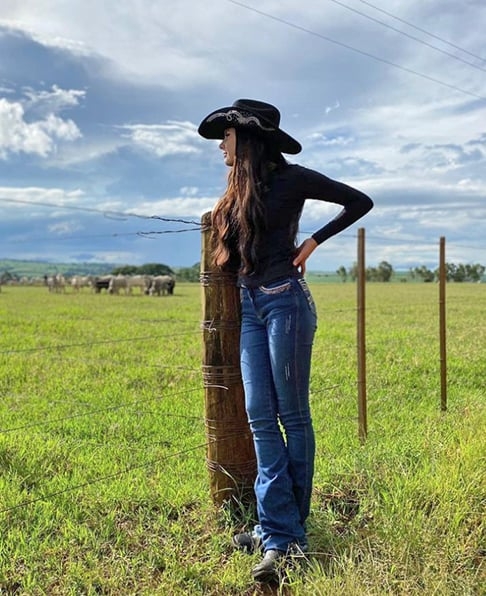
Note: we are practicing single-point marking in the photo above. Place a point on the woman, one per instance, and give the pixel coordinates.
(254, 229)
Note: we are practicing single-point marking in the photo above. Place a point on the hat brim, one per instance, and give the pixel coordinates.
(215, 123)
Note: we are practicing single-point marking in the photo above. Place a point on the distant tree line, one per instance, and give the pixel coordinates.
(147, 269)
(454, 272)
(384, 273)
(26, 269)
(14, 270)
(189, 273)
(182, 273)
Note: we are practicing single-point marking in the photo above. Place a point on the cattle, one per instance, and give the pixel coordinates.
(117, 283)
(81, 281)
(162, 285)
(100, 283)
(139, 281)
(55, 283)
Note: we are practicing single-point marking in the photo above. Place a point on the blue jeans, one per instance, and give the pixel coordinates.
(277, 331)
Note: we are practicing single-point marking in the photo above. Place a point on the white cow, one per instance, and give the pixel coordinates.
(55, 283)
(139, 281)
(117, 283)
(80, 281)
(161, 285)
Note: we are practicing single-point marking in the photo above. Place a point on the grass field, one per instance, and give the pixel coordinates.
(103, 481)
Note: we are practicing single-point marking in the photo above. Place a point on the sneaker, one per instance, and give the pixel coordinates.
(268, 568)
(247, 542)
(297, 555)
(297, 551)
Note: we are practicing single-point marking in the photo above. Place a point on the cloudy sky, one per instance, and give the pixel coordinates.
(100, 102)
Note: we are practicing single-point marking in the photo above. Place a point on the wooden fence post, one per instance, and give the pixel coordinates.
(442, 325)
(361, 339)
(230, 453)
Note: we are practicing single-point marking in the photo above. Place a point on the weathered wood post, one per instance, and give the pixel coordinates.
(230, 453)
(442, 325)
(361, 339)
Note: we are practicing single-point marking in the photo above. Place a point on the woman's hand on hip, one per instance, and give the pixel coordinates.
(303, 253)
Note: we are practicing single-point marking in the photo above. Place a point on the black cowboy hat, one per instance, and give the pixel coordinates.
(250, 115)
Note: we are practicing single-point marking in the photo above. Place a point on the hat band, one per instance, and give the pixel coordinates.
(240, 118)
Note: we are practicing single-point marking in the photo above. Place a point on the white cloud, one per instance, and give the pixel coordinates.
(189, 191)
(91, 150)
(33, 193)
(172, 138)
(114, 30)
(65, 130)
(185, 43)
(319, 138)
(176, 207)
(332, 108)
(64, 228)
(34, 199)
(19, 136)
(55, 100)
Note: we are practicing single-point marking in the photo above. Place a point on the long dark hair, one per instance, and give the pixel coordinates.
(239, 219)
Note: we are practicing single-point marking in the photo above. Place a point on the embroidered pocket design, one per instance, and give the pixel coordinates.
(277, 289)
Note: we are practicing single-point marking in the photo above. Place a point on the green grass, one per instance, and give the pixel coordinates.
(103, 482)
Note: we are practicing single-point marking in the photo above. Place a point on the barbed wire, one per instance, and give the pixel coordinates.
(322, 315)
(96, 411)
(127, 405)
(407, 241)
(107, 235)
(104, 361)
(126, 470)
(156, 461)
(370, 344)
(129, 469)
(152, 234)
(94, 343)
(112, 476)
(105, 212)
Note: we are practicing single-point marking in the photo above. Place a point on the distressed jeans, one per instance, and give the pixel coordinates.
(277, 331)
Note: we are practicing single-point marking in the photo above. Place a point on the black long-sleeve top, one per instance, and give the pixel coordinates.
(284, 200)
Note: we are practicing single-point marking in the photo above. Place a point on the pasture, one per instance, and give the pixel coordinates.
(103, 481)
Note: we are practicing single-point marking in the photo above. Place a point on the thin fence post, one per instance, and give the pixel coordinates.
(231, 458)
(442, 325)
(361, 339)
